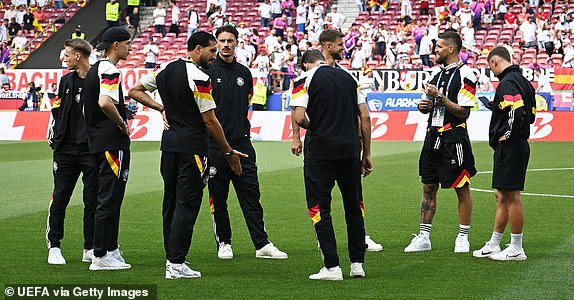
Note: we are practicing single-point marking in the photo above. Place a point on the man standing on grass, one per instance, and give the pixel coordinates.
(513, 110)
(189, 115)
(332, 49)
(332, 154)
(71, 154)
(109, 142)
(446, 156)
(232, 91)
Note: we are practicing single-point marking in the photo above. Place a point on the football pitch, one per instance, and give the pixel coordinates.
(392, 203)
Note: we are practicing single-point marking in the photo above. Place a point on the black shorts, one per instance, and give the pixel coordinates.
(450, 162)
(510, 163)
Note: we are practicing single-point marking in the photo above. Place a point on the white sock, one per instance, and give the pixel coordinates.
(495, 238)
(463, 230)
(425, 229)
(516, 240)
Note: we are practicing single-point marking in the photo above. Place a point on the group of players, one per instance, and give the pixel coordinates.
(208, 140)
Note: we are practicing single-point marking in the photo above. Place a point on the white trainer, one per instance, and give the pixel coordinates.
(333, 273)
(486, 251)
(55, 257)
(461, 244)
(357, 270)
(225, 251)
(117, 255)
(372, 246)
(107, 262)
(510, 253)
(88, 255)
(419, 243)
(174, 271)
(270, 251)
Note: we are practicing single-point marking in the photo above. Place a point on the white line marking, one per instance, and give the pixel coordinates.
(533, 170)
(527, 194)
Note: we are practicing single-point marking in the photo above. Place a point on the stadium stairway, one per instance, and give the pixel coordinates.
(93, 21)
(350, 10)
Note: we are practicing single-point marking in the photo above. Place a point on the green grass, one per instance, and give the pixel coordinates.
(392, 199)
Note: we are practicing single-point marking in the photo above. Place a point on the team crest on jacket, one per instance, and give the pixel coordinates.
(240, 81)
(125, 174)
(55, 166)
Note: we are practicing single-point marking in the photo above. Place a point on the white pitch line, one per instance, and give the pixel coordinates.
(533, 170)
(527, 194)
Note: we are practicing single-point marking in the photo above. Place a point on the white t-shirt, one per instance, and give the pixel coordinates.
(359, 57)
(465, 15)
(243, 56)
(148, 51)
(159, 16)
(262, 62)
(468, 35)
(175, 15)
(426, 46)
(528, 31)
(193, 19)
(301, 15)
(338, 19)
(265, 10)
(276, 6)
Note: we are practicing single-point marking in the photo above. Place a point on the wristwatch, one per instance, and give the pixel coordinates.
(229, 154)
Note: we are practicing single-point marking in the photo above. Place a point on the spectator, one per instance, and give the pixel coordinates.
(368, 27)
(391, 54)
(380, 36)
(483, 84)
(251, 48)
(271, 40)
(63, 62)
(260, 93)
(349, 42)
(243, 55)
(315, 24)
(262, 63)
(59, 4)
(175, 12)
(159, 18)
(10, 13)
(406, 10)
(425, 48)
(28, 21)
(4, 53)
(39, 15)
(478, 10)
(48, 98)
(367, 43)
(265, 13)
(288, 8)
(275, 9)
(433, 31)
(464, 54)
(545, 37)
(216, 19)
(403, 50)
(151, 52)
(4, 80)
(360, 4)
(18, 42)
(453, 7)
(418, 33)
(20, 15)
(301, 18)
(317, 10)
(13, 29)
(31, 98)
(78, 34)
(464, 14)
(535, 65)
(377, 5)
(211, 8)
(510, 20)
(568, 54)
(277, 59)
(424, 8)
(194, 20)
(337, 17)
(543, 82)
(223, 5)
(243, 31)
(4, 31)
(522, 16)
(468, 35)
(280, 24)
(501, 10)
(367, 82)
(440, 9)
(528, 29)
(133, 20)
(358, 57)
(404, 27)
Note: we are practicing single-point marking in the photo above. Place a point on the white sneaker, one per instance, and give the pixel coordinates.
(461, 244)
(419, 243)
(486, 251)
(107, 262)
(510, 253)
(270, 251)
(117, 255)
(55, 257)
(225, 251)
(88, 255)
(174, 271)
(357, 270)
(333, 273)
(372, 246)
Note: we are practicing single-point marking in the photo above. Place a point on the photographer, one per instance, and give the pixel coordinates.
(31, 98)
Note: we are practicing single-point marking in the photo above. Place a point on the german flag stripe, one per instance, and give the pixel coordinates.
(514, 105)
(211, 206)
(57, 103)
(362, 205)
(204, 89)
(204, 83)
(110, 81)
(315, 214)
(114, 163)
(469, 87)
(204, 96)
(199, 163)
(468, 94)
(51, 200)
(298, 87)
(111, 87)
(299, 94)
(462, 179)
(563, 76)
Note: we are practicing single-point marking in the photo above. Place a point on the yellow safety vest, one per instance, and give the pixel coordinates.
(134, 2)
(82, 36)
(260, 94)
(112, 12)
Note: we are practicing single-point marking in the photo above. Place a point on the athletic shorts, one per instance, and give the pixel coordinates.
(446, 160)
(510, 163)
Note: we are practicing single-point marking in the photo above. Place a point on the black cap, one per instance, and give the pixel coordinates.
(111, 35)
